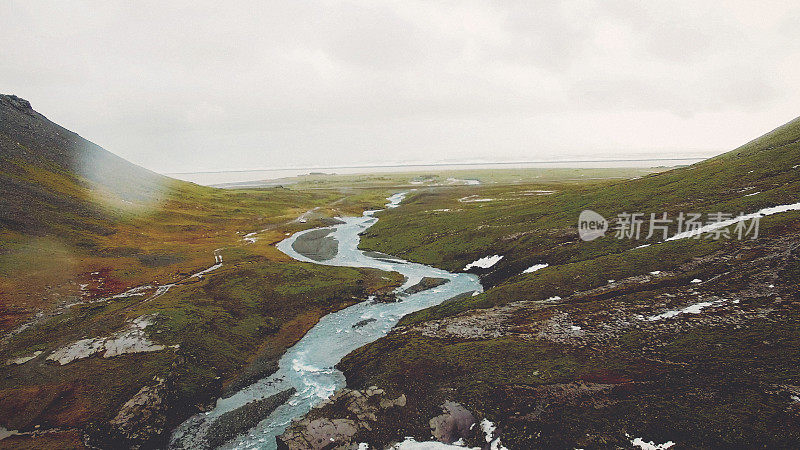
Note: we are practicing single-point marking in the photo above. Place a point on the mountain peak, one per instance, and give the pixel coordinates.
(16, 102)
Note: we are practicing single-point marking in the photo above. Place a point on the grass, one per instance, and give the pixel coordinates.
(710, 384)
(529, 228)
(117, 226)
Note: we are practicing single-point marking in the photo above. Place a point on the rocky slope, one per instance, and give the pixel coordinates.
(607, 344)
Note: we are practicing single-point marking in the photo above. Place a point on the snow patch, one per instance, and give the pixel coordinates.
(535, 267)
(485, 262)
(726, 223)
(489, 429)
(697, 280)
(639, 442)
(486, 425)
(697, 308)
(474, 199)
(411, 444)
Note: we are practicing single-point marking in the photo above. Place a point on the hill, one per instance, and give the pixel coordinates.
(605, 343)
(51, 176)
(130, 301)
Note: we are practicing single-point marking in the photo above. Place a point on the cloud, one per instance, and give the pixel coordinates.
(183, 86)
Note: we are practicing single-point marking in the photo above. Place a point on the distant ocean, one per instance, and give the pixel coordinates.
(242, 176)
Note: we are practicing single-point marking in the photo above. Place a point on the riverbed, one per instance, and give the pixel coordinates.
(308, 367)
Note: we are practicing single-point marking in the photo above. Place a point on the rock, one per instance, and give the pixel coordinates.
(325, 433)
(339, 421)
(424, 284)
(77, 350)
(387, 297)
(454, 424)
(18, 103)
(262, 367)
(317, 244)
(23, 359)
(142, 418)
(361, 323)
(229, 425)
(132, 339)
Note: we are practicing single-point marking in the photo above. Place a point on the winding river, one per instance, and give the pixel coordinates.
(308, 366)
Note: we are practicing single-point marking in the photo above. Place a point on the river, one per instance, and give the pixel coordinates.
(308, 366)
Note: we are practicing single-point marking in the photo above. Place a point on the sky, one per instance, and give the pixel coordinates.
(201, 86)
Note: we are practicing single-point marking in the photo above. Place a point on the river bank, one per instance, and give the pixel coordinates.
(309, 366)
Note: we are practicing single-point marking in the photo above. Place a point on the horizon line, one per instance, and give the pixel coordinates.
(437, 164)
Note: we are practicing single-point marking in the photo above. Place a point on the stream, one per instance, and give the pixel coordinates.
(308, 366)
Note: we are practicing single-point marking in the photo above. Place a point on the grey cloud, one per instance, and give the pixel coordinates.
(181, 86)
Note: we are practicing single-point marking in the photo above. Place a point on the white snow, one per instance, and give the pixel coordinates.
(488, 430)
(537, 192)
(485, 262)
(555, 297)
(691, 309)
(655, 272)
(535, 267)
(643, 246)
(251, 237)
(575, 328)
(486, 425)
(411, 444)
(639, 442)
(754, 193)
(726, 223)
(697, 280)
(474, 199)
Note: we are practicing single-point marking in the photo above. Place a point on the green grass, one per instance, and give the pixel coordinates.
(706, 385)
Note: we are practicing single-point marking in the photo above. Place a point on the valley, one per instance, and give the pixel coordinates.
(469, 312)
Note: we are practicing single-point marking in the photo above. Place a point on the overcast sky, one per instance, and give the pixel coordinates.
(190, 86)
